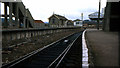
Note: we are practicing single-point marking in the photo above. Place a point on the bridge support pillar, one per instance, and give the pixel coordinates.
(10, 15)
(24, 22)
(28, 22)
(16, 16)
(5, 13)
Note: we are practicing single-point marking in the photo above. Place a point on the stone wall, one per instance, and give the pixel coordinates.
(9, 36)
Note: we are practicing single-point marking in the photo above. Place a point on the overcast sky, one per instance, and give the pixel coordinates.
(71, 9)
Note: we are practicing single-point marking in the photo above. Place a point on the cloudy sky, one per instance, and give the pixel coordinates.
(71, 9)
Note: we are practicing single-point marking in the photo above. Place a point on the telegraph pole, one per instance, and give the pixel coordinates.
(99, 14)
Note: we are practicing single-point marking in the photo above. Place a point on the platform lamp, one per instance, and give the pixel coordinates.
(98, 20)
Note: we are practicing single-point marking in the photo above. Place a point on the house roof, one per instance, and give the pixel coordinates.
(38, 21)
(70, 21)
(77, 20)
(58, 16)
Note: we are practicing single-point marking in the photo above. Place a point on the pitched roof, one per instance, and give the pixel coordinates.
(38, 21)
(58, 16)
(70, 21)
(77, 20)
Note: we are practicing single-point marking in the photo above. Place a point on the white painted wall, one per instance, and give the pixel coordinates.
(78, 23)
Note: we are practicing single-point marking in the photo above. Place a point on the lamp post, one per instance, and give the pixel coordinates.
(99, 14)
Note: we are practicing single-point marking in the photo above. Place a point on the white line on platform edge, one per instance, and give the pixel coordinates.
(84, 52)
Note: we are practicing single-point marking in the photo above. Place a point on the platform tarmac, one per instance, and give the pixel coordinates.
(104, 47)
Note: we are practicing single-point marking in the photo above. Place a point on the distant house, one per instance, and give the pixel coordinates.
(39, 24)
(57, 20)
(78, 22)
(89, 23)
(69, 23)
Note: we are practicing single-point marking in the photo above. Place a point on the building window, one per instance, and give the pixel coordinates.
(77, 22)
(62, 22)
(53, 21)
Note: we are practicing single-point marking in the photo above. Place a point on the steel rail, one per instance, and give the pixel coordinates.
(58, 60)
(12, 63)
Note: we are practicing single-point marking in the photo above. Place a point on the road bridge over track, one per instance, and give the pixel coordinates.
(18, 11)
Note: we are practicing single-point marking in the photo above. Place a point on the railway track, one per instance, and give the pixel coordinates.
(63, 53)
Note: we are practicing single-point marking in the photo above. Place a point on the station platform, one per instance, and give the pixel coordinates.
(104, 47)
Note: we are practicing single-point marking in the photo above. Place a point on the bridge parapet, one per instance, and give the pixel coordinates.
(18, 34)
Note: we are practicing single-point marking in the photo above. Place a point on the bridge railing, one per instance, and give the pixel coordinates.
(17, 34)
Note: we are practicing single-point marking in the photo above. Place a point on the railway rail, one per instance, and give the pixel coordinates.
(66, 52)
